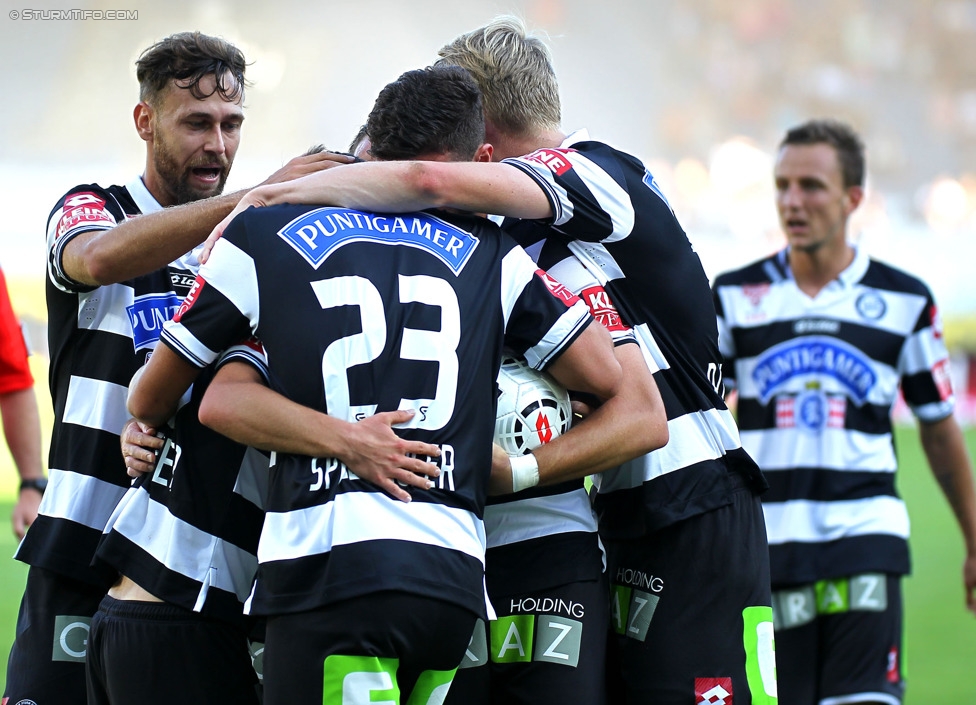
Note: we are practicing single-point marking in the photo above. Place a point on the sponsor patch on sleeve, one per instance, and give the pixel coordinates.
(190, 299)
(557, 289)
(553, 159)
(602, 308)
(85, 208)
(943, 380)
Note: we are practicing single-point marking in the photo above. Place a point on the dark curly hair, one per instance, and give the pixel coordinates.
(435, 110)
(187, 58)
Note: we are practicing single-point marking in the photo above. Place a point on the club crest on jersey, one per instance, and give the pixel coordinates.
(602, 308)
(318, 233)
(813, 357)
(553, 159)
(871, 305)
(147, 316)
(812, 411)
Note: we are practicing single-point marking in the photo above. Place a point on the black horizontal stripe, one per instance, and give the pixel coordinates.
(366, 567)
(543, 563)
(920, 388)
(65, 547)
(800, 563)
(824, 485)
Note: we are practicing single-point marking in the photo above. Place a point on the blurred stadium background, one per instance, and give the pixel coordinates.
(702, 90)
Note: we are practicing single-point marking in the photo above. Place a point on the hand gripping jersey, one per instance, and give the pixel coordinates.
(188, 532)
(15, 373)
(613, 217)
(98, 337)
(362, 313)
(816, 380)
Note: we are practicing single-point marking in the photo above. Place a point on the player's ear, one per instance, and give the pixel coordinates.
(142, 115)
(483, 153)
(855, 194)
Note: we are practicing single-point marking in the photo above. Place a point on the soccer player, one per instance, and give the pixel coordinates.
(817, 339)
(698, 496)
(360, 312)
(108, 290)
(21, 422)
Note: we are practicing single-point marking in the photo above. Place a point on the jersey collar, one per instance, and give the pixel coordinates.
(140, 194)
(579, 136)
(854, 272)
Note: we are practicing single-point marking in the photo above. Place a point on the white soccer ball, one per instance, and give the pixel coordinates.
(532, 408)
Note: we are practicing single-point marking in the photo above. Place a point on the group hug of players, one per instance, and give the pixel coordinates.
(277, 522)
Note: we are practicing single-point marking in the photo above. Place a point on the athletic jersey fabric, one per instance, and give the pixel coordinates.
(98, 337)
(613, 217)
(15, 373)
(816, 380)
(362, 313)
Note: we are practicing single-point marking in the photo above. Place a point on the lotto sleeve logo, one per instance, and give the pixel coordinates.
(602, 308)
(84, 208)
(557, 289)
(713, 691)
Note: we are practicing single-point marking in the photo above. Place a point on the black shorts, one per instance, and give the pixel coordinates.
(386, 646)
(690, 611)
(840, 641)
(47, 659)
(154, 653)
(547, 646)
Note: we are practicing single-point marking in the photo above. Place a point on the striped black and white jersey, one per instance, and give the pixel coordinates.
(615, 220)
(816, 380)
(98, 338)
(362, 313)
(547, 536)
(188, 532)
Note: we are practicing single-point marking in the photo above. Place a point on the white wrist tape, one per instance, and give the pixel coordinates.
(525, 472)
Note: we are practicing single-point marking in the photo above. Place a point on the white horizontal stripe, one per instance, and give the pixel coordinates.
(833, 448)
(182, 547)
(94, 403)
(935, 411)
(80, 498)
(694, 438)
(536, 517)
(187, 345)
(784, 302)
(353, 517)
(818, 522)
(104, 309)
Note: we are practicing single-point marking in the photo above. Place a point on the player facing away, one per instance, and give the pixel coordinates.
(363, 313)
(109, 287)
(818, 338)
(696, 496)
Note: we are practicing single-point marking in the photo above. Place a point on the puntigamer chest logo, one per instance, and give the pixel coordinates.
(814, 356)
(147, 314)
(320, 232)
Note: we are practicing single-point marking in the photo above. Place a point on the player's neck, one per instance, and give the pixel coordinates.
(815, 269)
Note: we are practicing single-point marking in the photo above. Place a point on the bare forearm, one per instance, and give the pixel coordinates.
(949, 460)
(255, 415)
(22, 429)
(396, 187)
(142, 245)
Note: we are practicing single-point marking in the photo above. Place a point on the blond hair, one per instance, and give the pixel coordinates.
(514, 70)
